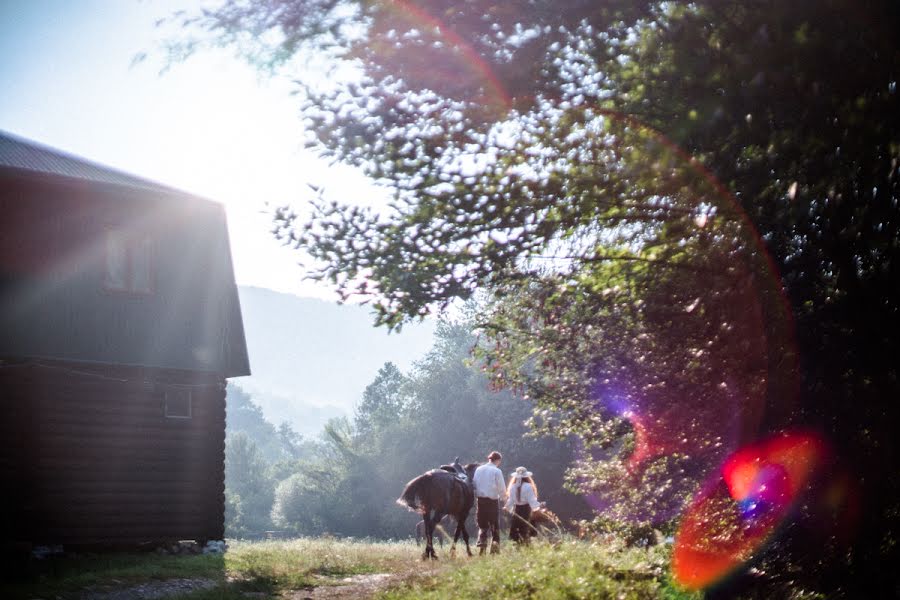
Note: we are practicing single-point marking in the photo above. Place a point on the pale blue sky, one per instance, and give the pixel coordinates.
(211, 126)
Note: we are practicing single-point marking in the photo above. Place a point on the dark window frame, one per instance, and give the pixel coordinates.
(188, 397)
(135, 247)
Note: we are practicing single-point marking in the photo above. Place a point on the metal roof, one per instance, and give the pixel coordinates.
(26, 155)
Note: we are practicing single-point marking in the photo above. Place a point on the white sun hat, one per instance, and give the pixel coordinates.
(521, 472)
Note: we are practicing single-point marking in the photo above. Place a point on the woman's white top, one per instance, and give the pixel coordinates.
(527, 497)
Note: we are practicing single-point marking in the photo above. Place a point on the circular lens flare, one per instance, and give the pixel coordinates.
(444, 60)
(732, 519)
(715, 342)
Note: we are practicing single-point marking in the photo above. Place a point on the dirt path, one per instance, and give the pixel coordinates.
(146, 591)
(355, 587)
(358, 587)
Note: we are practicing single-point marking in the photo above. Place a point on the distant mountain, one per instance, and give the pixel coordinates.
(312, 359)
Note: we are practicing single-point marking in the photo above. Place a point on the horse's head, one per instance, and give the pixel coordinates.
(470, 472)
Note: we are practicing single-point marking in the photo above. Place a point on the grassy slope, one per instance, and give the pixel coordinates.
(573, 569)
(63, 576)
(270, 567)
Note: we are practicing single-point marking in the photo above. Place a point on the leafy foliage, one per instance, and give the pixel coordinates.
(248, 489)
(568, 160)
(257, 456)
(384, 400)
(280, 443)
(347, 482)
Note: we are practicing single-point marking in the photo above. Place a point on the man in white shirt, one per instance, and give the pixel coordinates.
(489, 492)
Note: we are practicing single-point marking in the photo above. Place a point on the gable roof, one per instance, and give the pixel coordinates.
(25, 155)
(192, 321)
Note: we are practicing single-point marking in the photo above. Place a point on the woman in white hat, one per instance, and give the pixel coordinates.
(522, 498)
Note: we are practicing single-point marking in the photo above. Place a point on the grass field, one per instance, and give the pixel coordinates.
(359, 569)
(263, 569)
(570, 569)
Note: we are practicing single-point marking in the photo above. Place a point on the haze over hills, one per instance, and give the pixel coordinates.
(312, 359)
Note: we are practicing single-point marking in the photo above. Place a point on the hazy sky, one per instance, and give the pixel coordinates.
(211, 126)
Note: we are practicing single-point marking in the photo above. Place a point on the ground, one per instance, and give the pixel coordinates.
(353, 569)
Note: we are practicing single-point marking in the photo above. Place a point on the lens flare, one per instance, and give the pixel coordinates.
(642, 447)
(445, 60)
(733, 518)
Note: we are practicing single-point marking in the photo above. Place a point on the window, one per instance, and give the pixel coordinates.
(116, 262)
(128, 263)
(177, 403)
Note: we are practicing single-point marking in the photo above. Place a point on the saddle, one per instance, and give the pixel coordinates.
(455, 469)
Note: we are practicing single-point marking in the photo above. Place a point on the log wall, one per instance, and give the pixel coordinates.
(88, 459)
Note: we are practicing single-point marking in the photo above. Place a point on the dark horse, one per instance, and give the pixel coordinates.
(438, 493)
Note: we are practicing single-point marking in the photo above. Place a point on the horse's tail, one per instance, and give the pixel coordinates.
(413, 495)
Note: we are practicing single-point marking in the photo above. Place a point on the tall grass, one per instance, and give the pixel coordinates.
(247, 566)
(62, 577)
(570, 569)
(303, 562)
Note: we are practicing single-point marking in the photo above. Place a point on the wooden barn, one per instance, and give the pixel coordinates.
(119, 325)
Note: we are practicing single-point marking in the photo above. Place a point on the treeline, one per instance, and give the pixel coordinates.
(346, 482)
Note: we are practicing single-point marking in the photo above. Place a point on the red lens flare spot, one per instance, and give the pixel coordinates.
(730, 521)
(642, 447)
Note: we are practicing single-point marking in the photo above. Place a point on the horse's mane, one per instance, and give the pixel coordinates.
(470, 471)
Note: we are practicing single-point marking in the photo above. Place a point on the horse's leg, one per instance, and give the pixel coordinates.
(435, 522)
(455, 538)
(465, 533)
(460, 527)
(429, 532)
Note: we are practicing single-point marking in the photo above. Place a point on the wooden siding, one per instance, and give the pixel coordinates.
(89, 460)
(55, 300)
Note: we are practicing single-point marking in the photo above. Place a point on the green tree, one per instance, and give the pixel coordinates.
(384, 400)
(249, 490)
(304, 502)
(454, 411)
(291, 441)
(244, 415)
(568, 159)
(449, 410)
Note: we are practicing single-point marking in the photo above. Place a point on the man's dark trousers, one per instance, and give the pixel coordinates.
(487, 516)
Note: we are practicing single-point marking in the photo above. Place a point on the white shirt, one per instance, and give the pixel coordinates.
(488, 481)
(528, 496)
